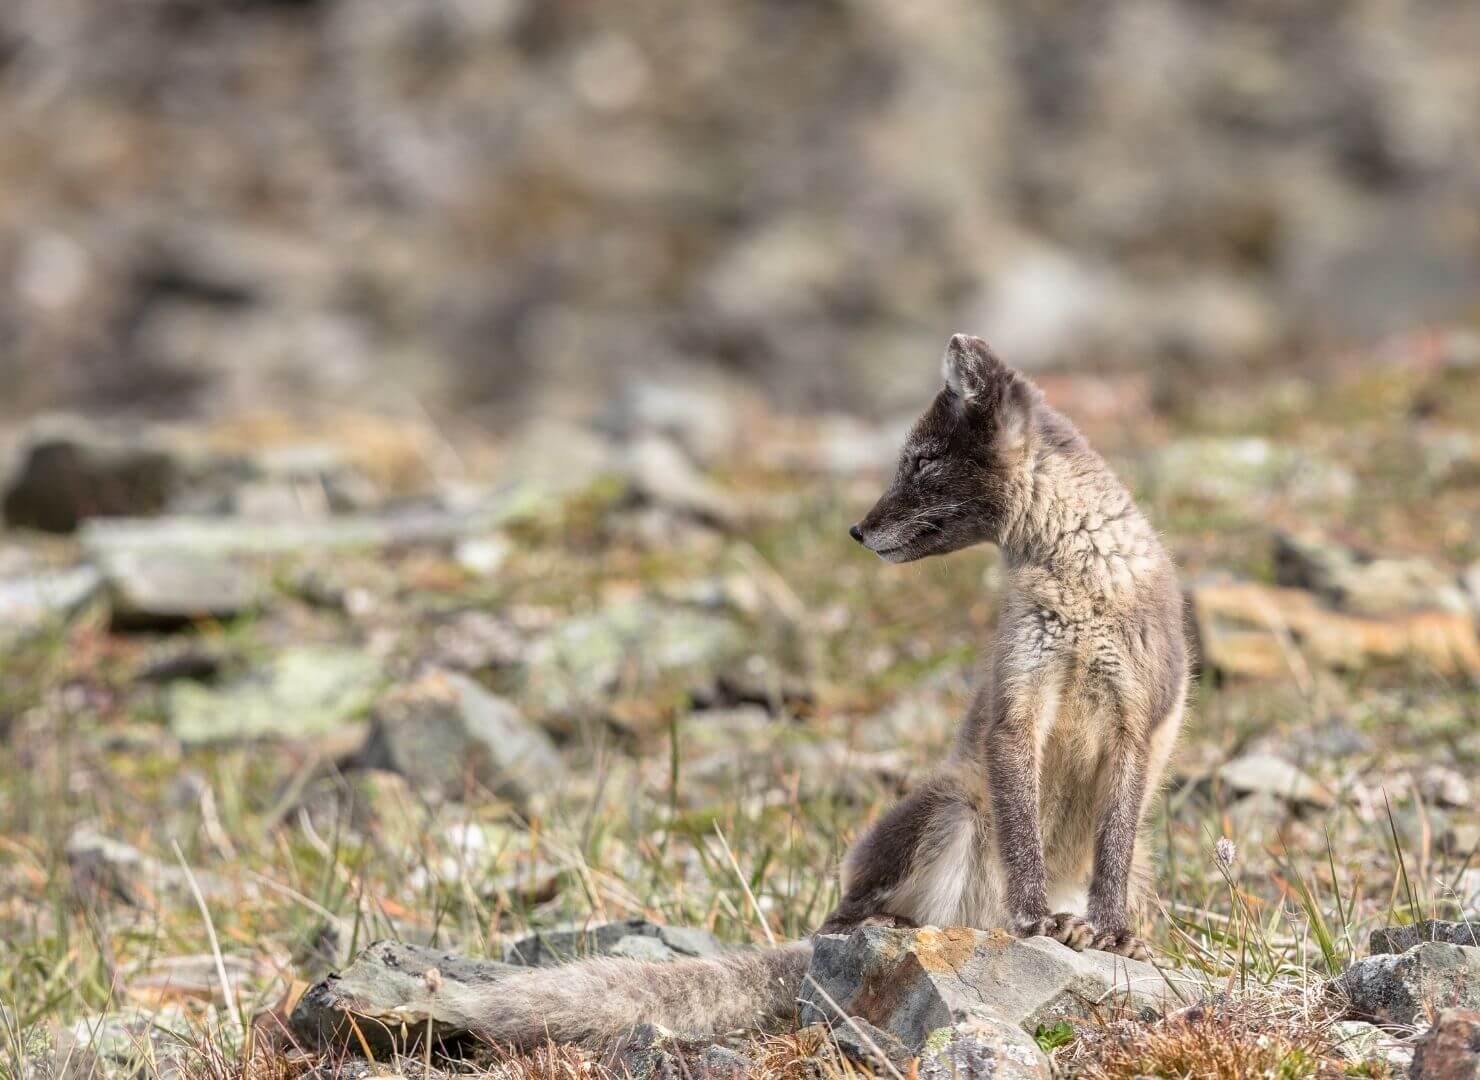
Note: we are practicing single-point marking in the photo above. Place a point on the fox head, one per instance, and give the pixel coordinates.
(957, 468)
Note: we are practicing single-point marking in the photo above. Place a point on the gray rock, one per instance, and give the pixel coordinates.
(1358, 1041)
(132, 1041)
(152, 590)
(1267, 774)
(914, 982)
(41, 599)
(1450, 1050)
(722, 1063)
(982, 1047)
(614, 938)
(1403, 989)
(219, 536)
(108, 868)
(394, 992)
(862, 1043)
(663, 477)
(575, 667)
(1361, 583)
(445, 730)
(301, 692)
(71, 472)
(1398, 939)
(1245, 472)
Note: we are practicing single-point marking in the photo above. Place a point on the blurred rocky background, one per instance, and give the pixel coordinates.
(428, 435)
(208, 205)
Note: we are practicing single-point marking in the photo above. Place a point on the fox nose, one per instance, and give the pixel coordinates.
(856, 533)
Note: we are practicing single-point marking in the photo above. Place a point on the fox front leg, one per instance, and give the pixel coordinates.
(1119, 798)
(1023, 704)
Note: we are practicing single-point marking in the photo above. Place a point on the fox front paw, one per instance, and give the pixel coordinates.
(1122, 943)
(893, 922)
(1071, 930)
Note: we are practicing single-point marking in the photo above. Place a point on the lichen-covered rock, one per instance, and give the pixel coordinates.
(636, 938)
(914, 982)
(982, 1047)
(1397, 939)
(1451, 1048)
(301, 692)
(1406, 988)
(445, 730)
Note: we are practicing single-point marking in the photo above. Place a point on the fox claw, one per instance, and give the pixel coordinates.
(1122, 943)
(1071, 930)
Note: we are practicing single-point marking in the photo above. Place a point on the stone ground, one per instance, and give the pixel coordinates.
(290, 689)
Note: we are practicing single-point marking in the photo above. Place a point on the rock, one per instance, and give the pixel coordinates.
(71, 472)
(912, 983)
(1245, 472)
(1359, 1041)
(1270, 775)
(1246, 629)
(577, 665)
(607, 939)
(157, 1042)
(662, 476)
(473, 641)
(1363, 584)
(1451, 1048)
(482, 556)
(41, 599)
(301, 692)
(108, 868)
(648, 1052)
(391, 994)
(700, 411)
(155, 590)
(981, 1047)
(1404, 989)
(1399, 939)
(862, 1043)
(445, 730)
(722, 1063)
(236, 536)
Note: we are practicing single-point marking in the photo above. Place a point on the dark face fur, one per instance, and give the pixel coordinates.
(949, 491)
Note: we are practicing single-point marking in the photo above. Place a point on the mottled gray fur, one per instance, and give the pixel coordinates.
(1032, 822)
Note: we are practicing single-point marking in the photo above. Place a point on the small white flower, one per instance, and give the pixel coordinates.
(1225, 851)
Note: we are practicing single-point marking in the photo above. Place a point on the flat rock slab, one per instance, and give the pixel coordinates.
(1397, 939)
(150, 590)
(1405, 989)
(394, 994)
(911, 983)
(636, 938)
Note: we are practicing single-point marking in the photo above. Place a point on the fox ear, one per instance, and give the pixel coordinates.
(1015, 416)
(970, 369)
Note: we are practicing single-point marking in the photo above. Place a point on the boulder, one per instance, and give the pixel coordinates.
(1405, 989)
(1398, 939)
(912, 983)
(1451, 1048)
(628, 937)
(445, 730)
